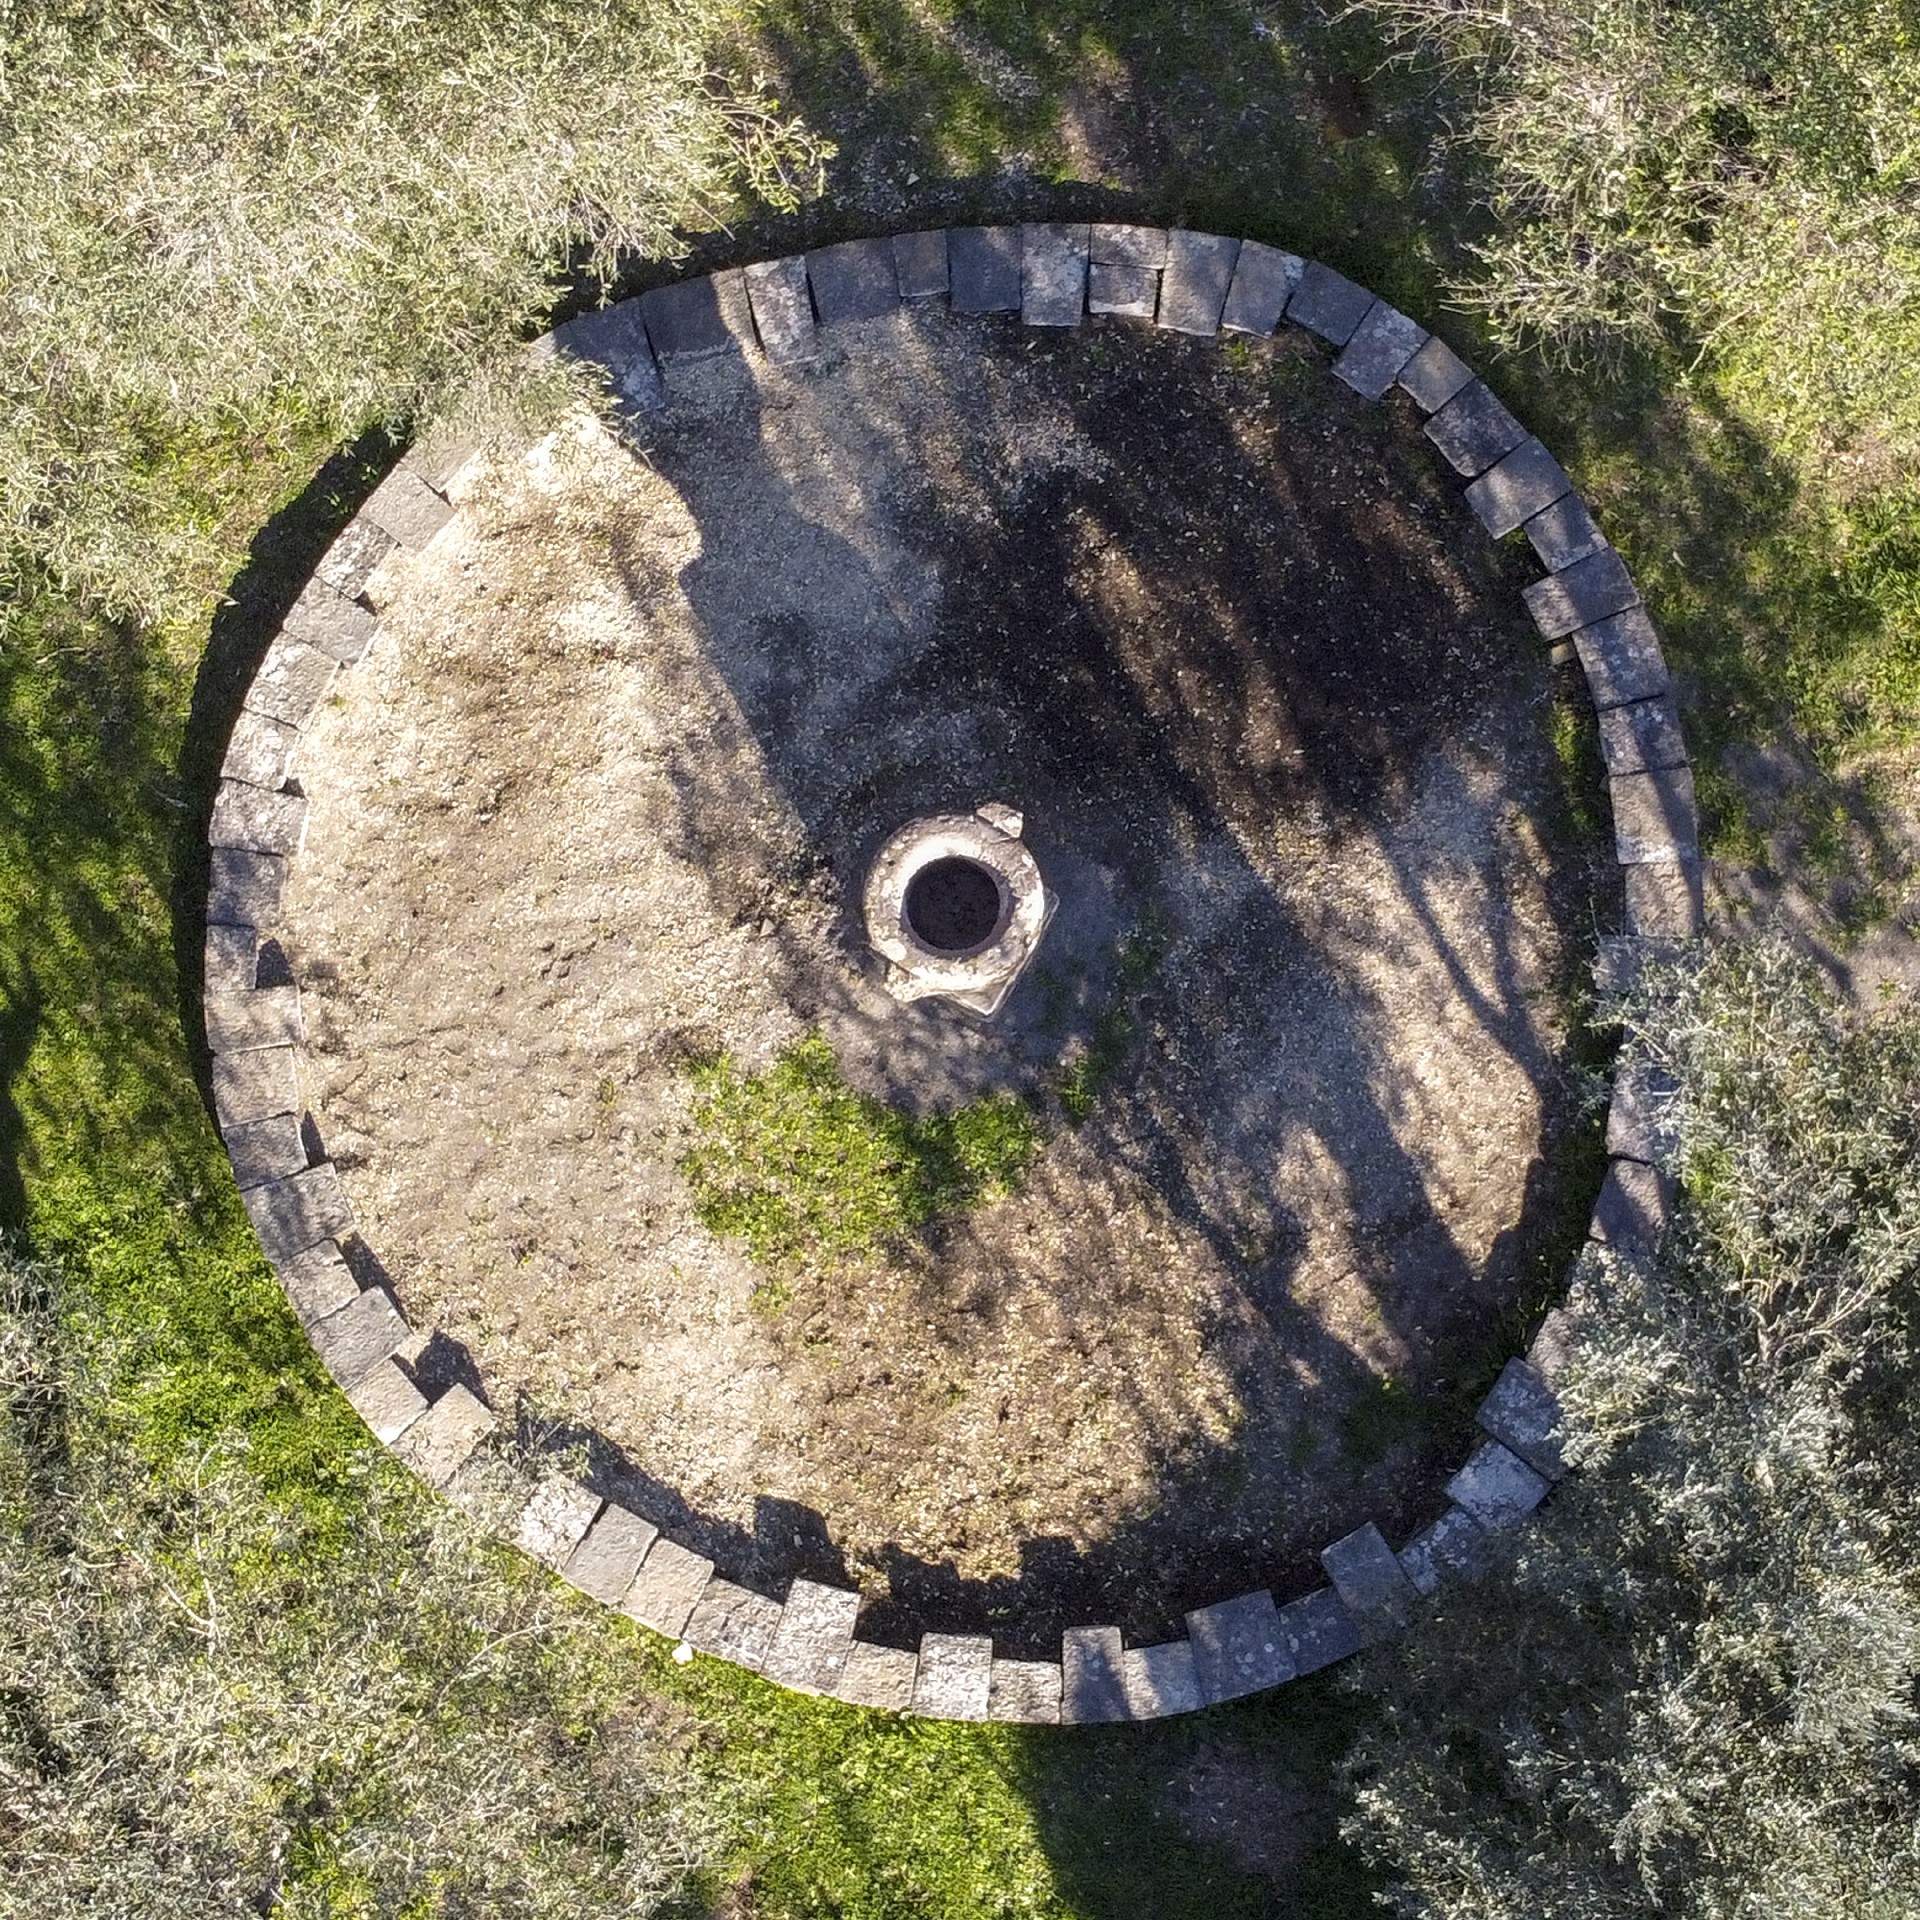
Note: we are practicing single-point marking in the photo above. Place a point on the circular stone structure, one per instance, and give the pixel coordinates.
(492, 1051)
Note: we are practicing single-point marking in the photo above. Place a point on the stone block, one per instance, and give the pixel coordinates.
(1641, 737)
(298, 1212)
(1237, 1647)
(1454, 1547)
(1523, 1415)
(1318, 1630)
(1130, 292)
(250, 1086)
(1159, 1681)
(686, 320)
(244, 889)
(1377, 354)
(445, 451)
(354, 1340)
(782, 309)
(603, 1565)
(1126, 246)
(442, 1440)
(1621, 658)
(331, 624)
(1516, 487)
(260, 822)
(1367, 1576)
(1091, 1687)
(1328, 303)
(1590, 590)
(1053, 275)
(555, 1520)
(814, 1637)
(243, 1022)
(1193, 289)
(855, 280)
(614, 342)
(268, 1149)
(1434, 375)
(1653, 816)
(920, 263)
(1633, 1209)
(355, 557)
(317, 1282)
(1664, 899)
(260, 751)
(1550, 1351)
(732, 1623)
(1263, 281)
(232, 959)
(984, 265)
(667, 1587)
(1496, 1487)
(387, 1401)
(404, 506)
(1473, 430)
(1564, 532)
(877, 1677)
(1025, 1691)
(293, 679)
(954, 1678)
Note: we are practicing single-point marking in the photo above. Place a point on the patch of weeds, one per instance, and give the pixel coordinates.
(1576, 753)
(1087, 1074)
(1380, 1418)
(804, 1169)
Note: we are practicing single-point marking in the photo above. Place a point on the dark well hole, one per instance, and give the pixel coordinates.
(953, 904)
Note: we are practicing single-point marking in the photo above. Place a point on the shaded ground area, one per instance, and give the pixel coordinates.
(601, 803)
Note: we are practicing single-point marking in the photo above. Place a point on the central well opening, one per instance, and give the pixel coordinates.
(954, 905)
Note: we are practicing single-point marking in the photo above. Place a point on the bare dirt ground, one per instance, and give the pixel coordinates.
(599, 804)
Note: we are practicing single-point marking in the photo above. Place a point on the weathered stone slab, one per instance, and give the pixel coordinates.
(732, 1623)
(355, 557)
(1263, 281)
(1564, 532)
(317, 1282)
(1496, 1487)
(1641, 737)
(1453, 1547)
(1026, 1691)
(256, 820)
(1665, 900)
(232, 959)
(445, 451)
(1633, 1209)
(387, 1401)
(1473, 430)
(1053, 275)
(1516, 487)
(1523, 1415)
(1159, 1681)
(984, 266)
(1653, 816)
(555, 1520)
(920, 263)
(854, 280)
(1622, 660)
(298, 1212)
(1434, 376)
(1382, 344)
(1590, 590)
(1091, 1687)
(954, 1680)
(404, 506)
(1238, 1647)
(1193, 289)
(242, 1022)
(814, 1637)
(260, 751)
(1368, 1578)
(268, 1149)
(685, 321)
(667, 1587)
(782, 309)
(1127, 246)
(440, 1442)
(354, 1340)
(244, 889)
(331, 624)
(603, 1565)
(877, 1677)
(1318, 1630)
(614, 342)
(249, 1086)
(1130, 292)
(1328, 303)
(293, 679)
(1550, 1351)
